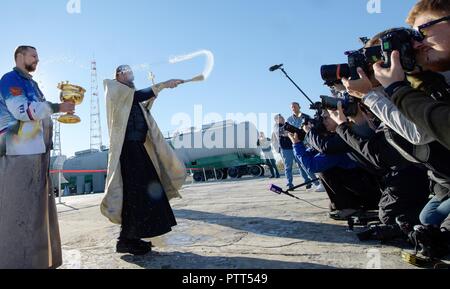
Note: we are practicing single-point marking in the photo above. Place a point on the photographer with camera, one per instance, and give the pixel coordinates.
(404, 190)
(332, 143)
(433, 155)
(437, 156)
(337, 171)
(426, 90)
(380, 104)
(425, 100)
(298, 119)
(283, 145)
(431, 110)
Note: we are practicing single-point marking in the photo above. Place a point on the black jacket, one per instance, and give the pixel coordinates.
(332, 143)
(353, 188)
(285, 141)
(376, 150)
(428, 106)
(137, 128)
(329, 143)
(405, 187)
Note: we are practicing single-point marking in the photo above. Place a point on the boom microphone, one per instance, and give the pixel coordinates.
(275, 67)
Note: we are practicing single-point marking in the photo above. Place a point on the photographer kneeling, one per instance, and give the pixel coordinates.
(430, 109)
(347, 196)
(425, 100)
(422, 99)
(404, 186)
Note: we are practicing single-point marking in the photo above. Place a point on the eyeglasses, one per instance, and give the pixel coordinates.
(421, 28)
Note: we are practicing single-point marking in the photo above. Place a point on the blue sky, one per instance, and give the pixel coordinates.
(246, 37)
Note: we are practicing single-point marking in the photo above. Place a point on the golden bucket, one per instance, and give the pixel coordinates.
(73, 94)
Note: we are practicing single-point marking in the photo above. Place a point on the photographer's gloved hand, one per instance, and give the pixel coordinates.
(338, 115)
(359, 87)
(157, 88)
(389, 76)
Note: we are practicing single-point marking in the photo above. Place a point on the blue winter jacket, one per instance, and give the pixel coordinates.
(317, 163)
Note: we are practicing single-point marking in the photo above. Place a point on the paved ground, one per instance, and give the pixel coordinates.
(228, 225)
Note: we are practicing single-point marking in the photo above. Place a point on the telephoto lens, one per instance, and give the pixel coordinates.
(334, 73)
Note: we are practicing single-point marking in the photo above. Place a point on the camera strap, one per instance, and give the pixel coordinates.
(405, 148)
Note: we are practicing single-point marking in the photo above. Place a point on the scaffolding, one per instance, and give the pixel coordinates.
(96, 127)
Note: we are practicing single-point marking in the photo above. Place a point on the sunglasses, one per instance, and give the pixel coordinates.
(421, 28)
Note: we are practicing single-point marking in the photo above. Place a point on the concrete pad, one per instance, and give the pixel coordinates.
(227, 225)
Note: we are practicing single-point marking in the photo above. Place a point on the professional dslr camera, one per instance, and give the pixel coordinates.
(349, 104)
(399, 39)
(295, 130)
(364, 57)
(317, 120)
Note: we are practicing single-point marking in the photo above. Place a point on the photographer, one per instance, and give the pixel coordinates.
(422, 147)
(436, 156)
(431, 18)
(297, 119)
(429, 111)
(425, 100)
(283, 145)
(333, 143)
(404, 186)
(347, 196)
(383, 108)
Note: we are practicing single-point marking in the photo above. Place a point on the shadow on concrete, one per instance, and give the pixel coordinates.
(300, 230)
(178, 260)
(71, 209)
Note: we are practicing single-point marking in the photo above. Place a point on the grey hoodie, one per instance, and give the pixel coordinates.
(380, 105)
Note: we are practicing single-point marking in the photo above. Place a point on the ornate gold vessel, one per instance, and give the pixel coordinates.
(73, 94)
